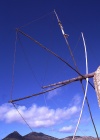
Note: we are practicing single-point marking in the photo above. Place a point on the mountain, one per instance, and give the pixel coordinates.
(31, 136)
(14, 136)
(70, 138)
(40, 136)
(80, 138)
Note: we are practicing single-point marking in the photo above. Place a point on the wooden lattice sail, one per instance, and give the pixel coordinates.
(97, 83)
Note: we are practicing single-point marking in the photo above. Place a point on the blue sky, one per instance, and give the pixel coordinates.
(55, 113)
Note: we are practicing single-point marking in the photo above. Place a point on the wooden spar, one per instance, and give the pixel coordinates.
(36, 94)
(48, 50)
(79, 78)
(42, 46)
(57, 85)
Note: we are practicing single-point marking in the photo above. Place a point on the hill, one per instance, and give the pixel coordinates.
(40, 136)
(14, 136)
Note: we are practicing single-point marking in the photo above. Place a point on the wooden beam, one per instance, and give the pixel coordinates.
(56, 85)
(79, 78)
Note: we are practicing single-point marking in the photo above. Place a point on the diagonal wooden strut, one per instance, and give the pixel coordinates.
(42, 46)
(48, 50)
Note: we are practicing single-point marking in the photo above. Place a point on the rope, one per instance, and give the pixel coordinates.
(27, 60)
(13, 67)
(22, 117)
(44, 81)
(85, 137)
(75, 46)
(35, 20)
(32, 69)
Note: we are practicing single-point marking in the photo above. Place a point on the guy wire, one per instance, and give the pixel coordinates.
(22, 117)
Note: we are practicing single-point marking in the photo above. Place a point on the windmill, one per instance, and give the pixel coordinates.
(95, 75)
(97, 83)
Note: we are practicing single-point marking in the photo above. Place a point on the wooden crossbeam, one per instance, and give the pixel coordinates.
(79, 78)
(56, 85)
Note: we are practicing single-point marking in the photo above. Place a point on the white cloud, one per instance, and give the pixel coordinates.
(36, 116)
(53, 93)
(67, 129)
(76, 100)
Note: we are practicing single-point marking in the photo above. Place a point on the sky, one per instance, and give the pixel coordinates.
(54, 113)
